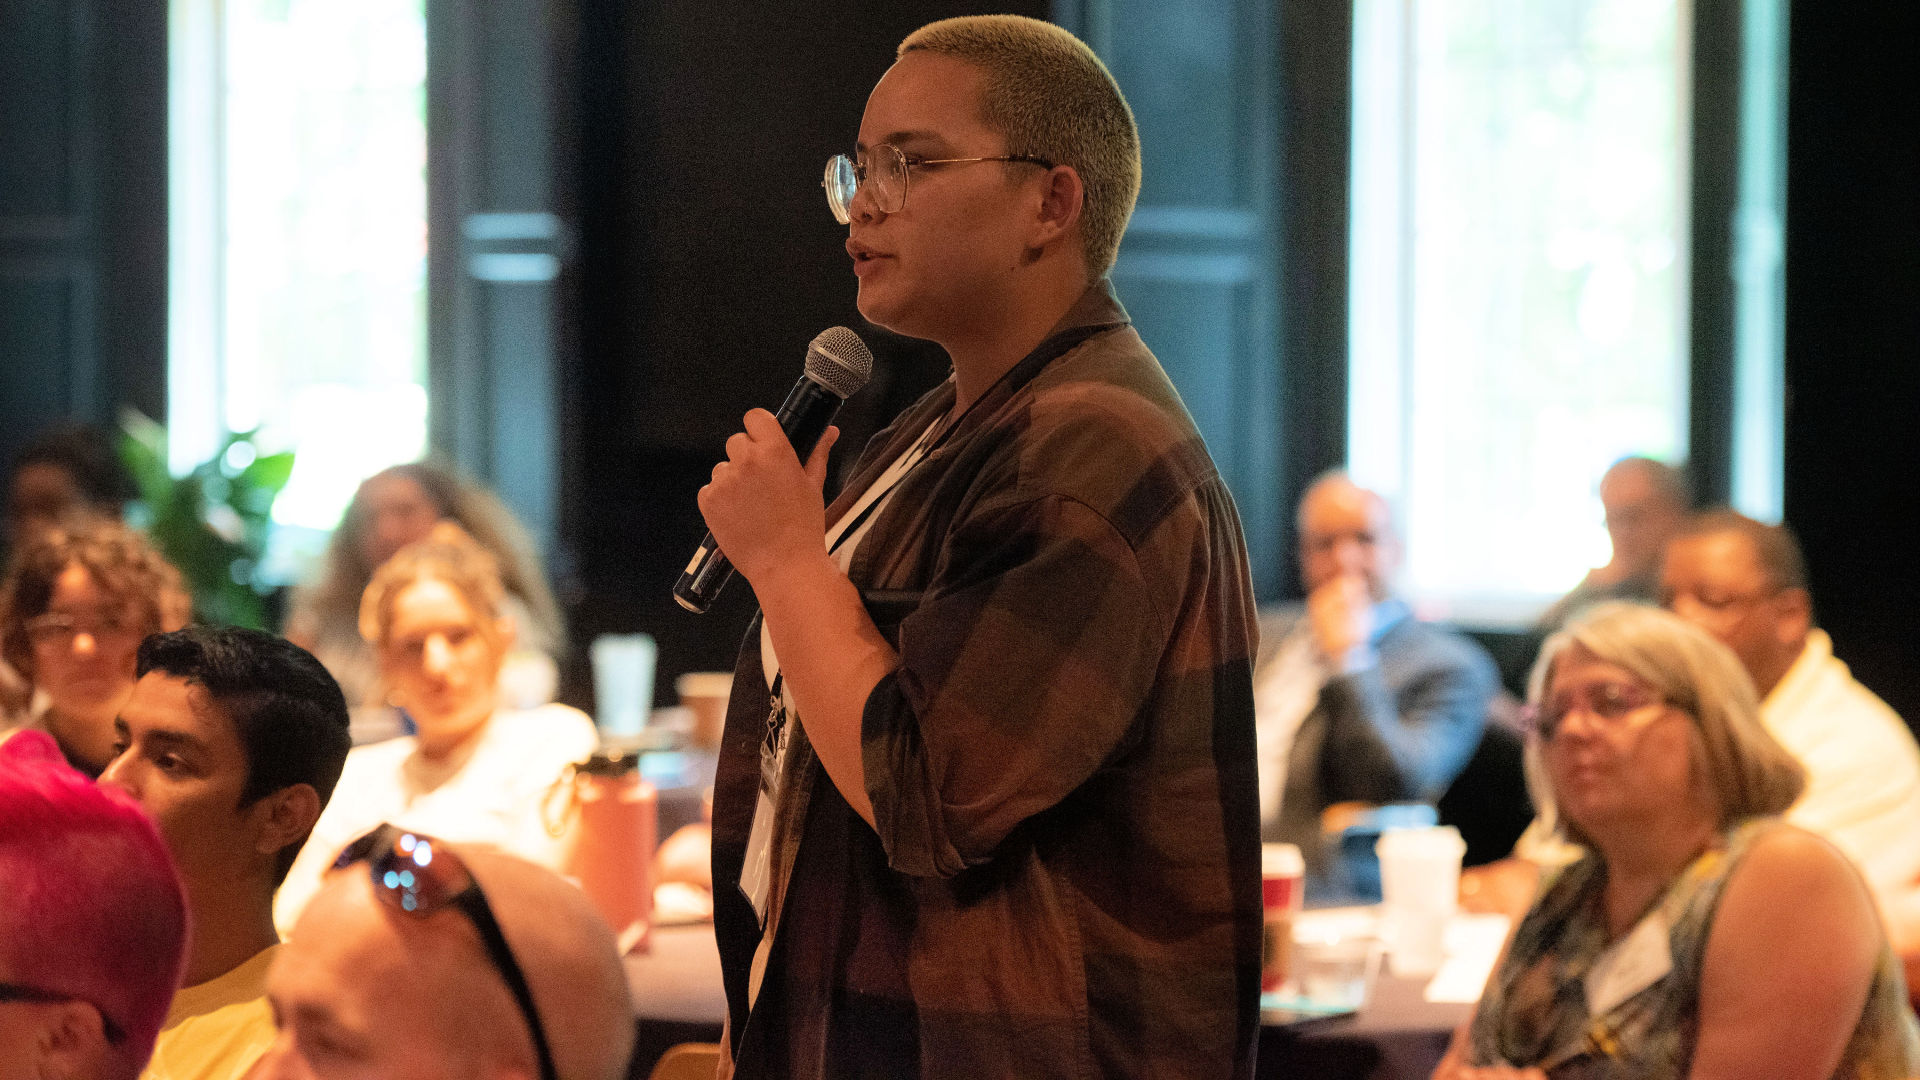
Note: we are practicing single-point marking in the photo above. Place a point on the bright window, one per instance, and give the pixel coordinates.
(1519, 280)
(299, 239)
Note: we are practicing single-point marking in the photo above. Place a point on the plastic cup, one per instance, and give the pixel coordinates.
(1283, 874)
(705, 694)
(623, 666)
(1420, 885)
(1333, 972)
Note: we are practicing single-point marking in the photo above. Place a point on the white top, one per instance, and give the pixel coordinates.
(491, 793)
(757, 869)
(1863, 768)
(1863, 774)
(1284, 695)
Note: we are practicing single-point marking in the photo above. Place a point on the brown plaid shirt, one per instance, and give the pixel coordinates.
(1065, 876)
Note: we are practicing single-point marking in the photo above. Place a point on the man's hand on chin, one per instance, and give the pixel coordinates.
(1340, 613)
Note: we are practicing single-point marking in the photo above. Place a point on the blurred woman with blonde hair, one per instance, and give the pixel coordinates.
(478, 769)
(392, 509)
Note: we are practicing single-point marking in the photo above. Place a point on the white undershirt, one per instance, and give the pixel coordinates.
(757, 871)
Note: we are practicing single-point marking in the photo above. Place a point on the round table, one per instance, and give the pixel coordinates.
(1397, 1035)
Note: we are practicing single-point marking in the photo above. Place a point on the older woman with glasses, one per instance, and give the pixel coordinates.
(1699, 936)
(74, 607)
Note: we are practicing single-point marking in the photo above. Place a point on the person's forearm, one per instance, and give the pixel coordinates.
(831, 658)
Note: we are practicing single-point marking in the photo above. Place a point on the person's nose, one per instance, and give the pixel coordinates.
(84, 643)
(864, 207)
(279, 1062)
(120, 773)
(1688, 608)
(1588, 725)
(1350, 556)
(437, 656)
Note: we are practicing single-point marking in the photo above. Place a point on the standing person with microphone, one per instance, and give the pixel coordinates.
(986, 802)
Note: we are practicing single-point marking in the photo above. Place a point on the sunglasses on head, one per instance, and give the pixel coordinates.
(417, 875)
(33, 995)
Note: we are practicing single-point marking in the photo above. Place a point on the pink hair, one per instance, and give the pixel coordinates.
(91, 905)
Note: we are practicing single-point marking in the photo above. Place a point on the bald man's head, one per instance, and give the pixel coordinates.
(1346, 531)
(361, 987)
(1646, 502)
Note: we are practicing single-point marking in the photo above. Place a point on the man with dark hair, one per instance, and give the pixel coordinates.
(1745, 582)
(233, 740)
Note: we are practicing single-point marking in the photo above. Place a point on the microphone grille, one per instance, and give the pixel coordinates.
(838, 360)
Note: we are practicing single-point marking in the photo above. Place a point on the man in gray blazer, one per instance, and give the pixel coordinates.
(1355, 699)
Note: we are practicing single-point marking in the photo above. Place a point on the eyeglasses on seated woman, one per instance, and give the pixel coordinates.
(75, 604)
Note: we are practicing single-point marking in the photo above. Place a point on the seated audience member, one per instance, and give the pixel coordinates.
(1645, 501)
(232, 742)
(68, 471)
(1354, 698)
(1698, 934)
(93, 926)
(476, 772)
(403, 967)
(75, 604)
(1745, 583)
(395, 508)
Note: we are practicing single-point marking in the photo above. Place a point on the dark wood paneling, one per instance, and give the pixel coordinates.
(1197, 270)
(83, 189)
(1314, 58)
(497, 248)
(36, 323)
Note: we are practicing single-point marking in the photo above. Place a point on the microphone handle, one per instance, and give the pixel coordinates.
(804, 416)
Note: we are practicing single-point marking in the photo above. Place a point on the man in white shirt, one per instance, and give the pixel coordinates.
(1746, 583)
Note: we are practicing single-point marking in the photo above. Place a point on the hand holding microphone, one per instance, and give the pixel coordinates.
(761, 499)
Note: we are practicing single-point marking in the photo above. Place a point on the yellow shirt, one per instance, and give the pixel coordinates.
(217, 1030)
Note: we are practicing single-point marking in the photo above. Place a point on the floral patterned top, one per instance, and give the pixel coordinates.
(1569, 1002)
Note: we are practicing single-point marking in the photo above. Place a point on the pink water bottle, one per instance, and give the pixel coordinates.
(611, 835)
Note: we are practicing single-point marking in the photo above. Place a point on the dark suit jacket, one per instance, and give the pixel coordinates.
(1399, 731)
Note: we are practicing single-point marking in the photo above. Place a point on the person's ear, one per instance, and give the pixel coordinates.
(285, 817)
(1062, 198)
(72, 1041)
(505, 633)
(1793, 618)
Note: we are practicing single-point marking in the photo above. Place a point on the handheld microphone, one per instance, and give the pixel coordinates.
(838, 364)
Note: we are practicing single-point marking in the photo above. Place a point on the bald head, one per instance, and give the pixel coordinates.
(1646, 502)
(1346, 531)
(361, 987)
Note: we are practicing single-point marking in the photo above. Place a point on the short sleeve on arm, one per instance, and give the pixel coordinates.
(1022, 672)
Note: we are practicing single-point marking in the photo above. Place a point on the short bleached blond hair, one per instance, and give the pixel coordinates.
(1052, 98)
(447, 556)
(1746, 771)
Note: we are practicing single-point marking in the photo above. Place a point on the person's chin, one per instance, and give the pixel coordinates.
(91, 695)
(881, 304)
